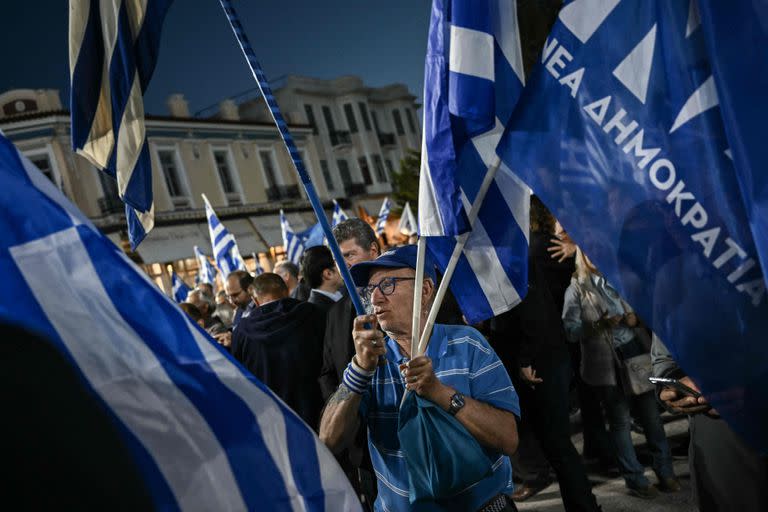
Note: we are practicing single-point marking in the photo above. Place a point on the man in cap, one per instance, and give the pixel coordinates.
(459, 373)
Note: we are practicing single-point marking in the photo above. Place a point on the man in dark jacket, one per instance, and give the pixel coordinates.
(281, 343)
(358, 243)
(322, 276)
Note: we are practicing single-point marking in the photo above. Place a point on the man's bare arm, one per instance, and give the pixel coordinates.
(340, 419)
(492, 427)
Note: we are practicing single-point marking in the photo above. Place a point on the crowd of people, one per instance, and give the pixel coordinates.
(503, 388)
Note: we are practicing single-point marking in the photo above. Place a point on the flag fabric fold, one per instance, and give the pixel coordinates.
(225, 250)
(339, 215)
(627, 130)
(113, 48)
(473, 78)
(203, 432)
(207, 272)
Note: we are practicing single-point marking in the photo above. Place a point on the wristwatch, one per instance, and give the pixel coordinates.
(457, 402)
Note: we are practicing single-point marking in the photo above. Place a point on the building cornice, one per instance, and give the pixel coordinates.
(35, 120)
(116, 222)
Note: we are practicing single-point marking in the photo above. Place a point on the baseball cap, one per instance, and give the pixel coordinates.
(399, 257)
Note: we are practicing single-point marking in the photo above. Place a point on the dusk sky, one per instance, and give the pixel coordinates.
(383, 42)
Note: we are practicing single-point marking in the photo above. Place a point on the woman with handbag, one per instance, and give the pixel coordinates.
(616, 360)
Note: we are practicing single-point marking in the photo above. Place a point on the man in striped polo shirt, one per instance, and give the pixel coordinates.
(459, 372)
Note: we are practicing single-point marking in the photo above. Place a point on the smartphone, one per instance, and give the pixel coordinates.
(674, 383)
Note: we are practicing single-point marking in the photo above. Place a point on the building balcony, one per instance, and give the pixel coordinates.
(280, 192)
(354, 189)
(110, 205)
(340, 138)
(387, 139)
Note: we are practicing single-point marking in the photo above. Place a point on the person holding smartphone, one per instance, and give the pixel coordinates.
(725, 473)
(595, 316)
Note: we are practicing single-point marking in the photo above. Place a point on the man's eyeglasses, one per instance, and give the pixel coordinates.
(386, 286)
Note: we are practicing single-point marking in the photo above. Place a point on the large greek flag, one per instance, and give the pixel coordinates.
(203, 432)
(473, 77)
(206, 272)
(113, 49)
(339, 215)
(642, 129)
(225, 250)
(294, 248)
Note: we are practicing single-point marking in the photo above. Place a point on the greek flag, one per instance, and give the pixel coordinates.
(473, 77)
(642, 130)
(180, 288)
(292, 243)
(339, 215)
(381, 221)
(225, 250)
(408, 225)
(203, 432)
(113, 48)
(207, 272)
(258, 269)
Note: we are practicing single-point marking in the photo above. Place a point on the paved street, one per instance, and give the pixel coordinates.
(609, 488)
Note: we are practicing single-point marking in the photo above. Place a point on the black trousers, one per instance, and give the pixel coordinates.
(546, 406)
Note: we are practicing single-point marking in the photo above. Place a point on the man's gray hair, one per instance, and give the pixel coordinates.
(355, 229)
(289, 267)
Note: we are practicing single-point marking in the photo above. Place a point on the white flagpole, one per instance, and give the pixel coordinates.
(460, 243)
(421, 249)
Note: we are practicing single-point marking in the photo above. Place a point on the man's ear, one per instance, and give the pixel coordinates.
(328, 273)
(428, 288)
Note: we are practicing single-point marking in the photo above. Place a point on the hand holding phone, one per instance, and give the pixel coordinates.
(676, 384)
(681, 397)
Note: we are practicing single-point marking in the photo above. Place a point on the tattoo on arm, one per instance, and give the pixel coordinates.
(341, 395)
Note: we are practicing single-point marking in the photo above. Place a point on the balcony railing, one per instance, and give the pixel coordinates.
(279, 192)
(110, 205)
(387, 139)
(354, 189)
(340, 138)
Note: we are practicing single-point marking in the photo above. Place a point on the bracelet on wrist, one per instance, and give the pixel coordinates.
(356, 379)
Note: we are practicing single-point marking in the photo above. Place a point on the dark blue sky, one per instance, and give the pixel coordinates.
(383, 42)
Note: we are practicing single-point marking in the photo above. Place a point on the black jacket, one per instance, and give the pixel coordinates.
(338, 347)
(322, 301)
(281, 343)
(533, 330)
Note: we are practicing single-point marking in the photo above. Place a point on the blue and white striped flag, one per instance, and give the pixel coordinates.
(225, 250)
(471, 84)
(180, 288)
(381, 221)
(408, 225)
(206, 272)
(258, 269)
(292, 243)
(113, 48)
(339, 215)
(202, 431)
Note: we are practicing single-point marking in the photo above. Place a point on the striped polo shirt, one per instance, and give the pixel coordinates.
(463, 360)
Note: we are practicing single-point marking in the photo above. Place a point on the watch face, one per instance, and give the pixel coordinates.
(457, 401)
